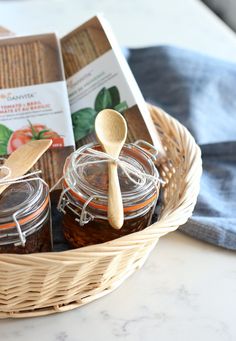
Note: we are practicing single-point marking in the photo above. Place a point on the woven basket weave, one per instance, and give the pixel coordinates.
(45, 283)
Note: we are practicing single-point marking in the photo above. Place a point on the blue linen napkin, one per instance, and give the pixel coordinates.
(200, 92)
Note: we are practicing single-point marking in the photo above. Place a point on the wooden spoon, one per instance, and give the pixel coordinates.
(111, 131)
(23, 158)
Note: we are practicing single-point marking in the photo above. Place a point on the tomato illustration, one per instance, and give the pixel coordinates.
(33, 132)
(18, 138)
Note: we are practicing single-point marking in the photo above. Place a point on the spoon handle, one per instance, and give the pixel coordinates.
(23, 158)
(115, 205)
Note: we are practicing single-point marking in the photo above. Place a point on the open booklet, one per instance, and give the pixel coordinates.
(34, 100)
(98, 77)
(34, 97)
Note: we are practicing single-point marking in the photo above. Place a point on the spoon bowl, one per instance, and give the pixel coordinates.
(111, 131)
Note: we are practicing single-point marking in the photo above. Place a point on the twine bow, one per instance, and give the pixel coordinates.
(129, 170)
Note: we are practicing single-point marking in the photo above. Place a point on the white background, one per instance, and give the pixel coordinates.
(135, 22)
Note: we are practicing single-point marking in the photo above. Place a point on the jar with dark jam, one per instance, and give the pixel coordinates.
(84, 196)
(25, 221)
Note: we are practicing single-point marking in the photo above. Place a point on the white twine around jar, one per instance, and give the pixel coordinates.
(129, 170)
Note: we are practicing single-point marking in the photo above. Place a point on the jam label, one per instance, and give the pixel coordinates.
(35, 112)
(99, 85)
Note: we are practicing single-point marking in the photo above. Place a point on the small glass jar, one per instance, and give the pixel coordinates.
(84, 196)
(25, 220)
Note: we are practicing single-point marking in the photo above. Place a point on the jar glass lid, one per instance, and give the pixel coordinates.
(87, 176)
(24, 197)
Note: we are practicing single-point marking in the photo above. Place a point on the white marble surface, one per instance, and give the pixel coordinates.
(187, 289)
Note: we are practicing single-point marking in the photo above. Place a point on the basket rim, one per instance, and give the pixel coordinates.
(158, 229)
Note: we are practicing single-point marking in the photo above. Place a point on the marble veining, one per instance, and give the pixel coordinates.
(62, 336)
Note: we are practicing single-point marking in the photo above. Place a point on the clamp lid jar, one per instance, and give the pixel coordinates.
(85, 188)
(25, 223)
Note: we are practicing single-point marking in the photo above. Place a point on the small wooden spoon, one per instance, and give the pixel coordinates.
(23, 158)
(111, 131)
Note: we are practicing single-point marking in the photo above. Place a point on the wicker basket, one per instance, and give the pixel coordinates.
(45, 283)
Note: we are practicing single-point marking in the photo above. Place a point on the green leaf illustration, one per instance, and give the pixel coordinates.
(115, 95)
(40, 135)
(103, 100)
(5, 134)
(121, 107)
(83, 122)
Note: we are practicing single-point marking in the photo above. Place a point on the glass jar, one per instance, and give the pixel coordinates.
(84, 196)
(25, 221)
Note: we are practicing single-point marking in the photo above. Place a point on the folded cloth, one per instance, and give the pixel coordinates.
(200, 92)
